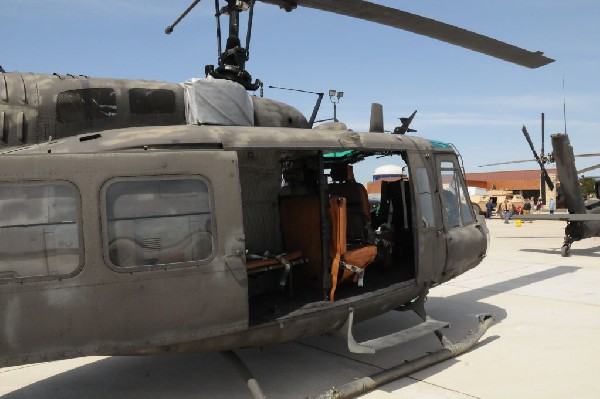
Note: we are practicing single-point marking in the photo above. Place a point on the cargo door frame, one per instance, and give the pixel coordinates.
(431, 245)
(465, 236)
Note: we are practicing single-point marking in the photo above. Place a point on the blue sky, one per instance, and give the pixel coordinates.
(474, 101)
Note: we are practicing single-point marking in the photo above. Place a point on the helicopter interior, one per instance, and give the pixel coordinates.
(368, 247)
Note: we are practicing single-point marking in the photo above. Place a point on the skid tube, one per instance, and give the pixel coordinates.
(245, 373)
(450, 350)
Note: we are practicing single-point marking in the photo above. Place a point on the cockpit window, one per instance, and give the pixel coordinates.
(84, 105)
(151, 101)
(158, 221)
(39, 230)
(457, 210)
(425, 197)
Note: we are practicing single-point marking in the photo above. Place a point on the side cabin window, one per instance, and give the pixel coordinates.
(457, 211)
(86, 105)
(39, 229)
(158, 221)
(151, 101)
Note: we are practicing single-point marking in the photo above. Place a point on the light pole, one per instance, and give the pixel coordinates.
(333, 96)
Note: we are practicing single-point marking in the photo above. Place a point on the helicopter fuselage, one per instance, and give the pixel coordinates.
(175, 238)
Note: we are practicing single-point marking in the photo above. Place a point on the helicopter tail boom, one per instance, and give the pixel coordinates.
(567, 174)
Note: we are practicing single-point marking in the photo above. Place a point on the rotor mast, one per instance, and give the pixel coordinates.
(232, 61)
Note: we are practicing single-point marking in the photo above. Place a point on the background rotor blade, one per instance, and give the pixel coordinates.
(423, 26)
(584, 170)
(588, 155)
(537, 158)
(508, 162)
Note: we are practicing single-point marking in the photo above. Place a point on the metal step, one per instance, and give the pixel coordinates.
(388, 341)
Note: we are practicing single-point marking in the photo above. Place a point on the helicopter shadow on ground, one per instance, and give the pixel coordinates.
(461, 310)
(292, 370)
(591, 252)
(529, 237)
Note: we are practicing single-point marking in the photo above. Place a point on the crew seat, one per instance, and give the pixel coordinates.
(352, 244)
(358, 231)
(347, 263)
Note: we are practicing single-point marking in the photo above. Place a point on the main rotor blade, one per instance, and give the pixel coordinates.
(423, 26)
(537, 158)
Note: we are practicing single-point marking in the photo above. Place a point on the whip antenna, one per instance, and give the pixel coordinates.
(564, 105)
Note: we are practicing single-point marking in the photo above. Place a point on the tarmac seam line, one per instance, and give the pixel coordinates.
(443, 387)
(340, 355)
(508, 291)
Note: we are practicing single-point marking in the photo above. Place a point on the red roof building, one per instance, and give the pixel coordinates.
(525, 182)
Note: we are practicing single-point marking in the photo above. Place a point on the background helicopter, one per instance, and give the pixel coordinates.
(134, 260)
(583, 220)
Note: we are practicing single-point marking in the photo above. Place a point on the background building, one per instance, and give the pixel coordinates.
(524, 182)
(383, 173)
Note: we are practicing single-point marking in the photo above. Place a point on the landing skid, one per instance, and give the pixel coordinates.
(245, 373)
(428, 326)
(366, 384)
(449, 350)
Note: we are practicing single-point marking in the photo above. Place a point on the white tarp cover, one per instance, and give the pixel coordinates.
(217, 102)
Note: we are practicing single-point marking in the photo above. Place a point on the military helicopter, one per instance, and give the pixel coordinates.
(144, 218)
(583, 220)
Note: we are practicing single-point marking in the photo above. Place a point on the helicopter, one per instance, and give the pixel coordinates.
(583, 220)
(146, 218)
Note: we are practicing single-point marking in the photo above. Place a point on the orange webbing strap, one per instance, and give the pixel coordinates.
(256, 263)
(337, 217)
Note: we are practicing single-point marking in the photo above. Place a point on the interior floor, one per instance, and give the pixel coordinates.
(279, 303)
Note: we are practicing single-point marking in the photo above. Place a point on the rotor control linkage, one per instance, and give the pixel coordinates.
(232, 61)
(169, 29)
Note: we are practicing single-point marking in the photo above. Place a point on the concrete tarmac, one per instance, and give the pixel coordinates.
(544, 343)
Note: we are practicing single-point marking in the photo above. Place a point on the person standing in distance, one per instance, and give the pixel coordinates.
(508, 208)
(489, 208)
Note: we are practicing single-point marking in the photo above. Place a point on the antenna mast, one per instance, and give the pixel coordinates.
(542, 179)
(564, 105)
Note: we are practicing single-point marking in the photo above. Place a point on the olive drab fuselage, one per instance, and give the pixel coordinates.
(127, 231)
